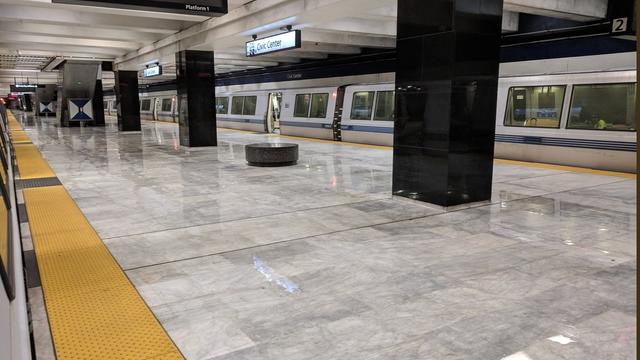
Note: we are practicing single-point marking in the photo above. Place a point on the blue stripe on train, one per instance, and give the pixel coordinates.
(575, 143)
(245, 121)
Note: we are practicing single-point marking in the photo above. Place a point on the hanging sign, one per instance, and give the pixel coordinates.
(153, 71)
(192, 7)
(24, 88)
(275, 43)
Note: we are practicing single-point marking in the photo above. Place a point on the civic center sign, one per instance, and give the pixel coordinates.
(275, 43)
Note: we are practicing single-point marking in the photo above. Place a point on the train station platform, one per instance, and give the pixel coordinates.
(194, 254)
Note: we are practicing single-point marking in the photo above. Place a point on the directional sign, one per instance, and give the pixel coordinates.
(152, 71)
(192, 7)
(275, 43)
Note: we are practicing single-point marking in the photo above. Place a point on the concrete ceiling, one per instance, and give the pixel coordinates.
(131, 38)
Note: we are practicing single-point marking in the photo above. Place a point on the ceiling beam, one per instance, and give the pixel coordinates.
(76, 31)
(580, 10)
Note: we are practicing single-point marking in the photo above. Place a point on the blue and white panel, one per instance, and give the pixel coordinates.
(80, 110)
(46, 107)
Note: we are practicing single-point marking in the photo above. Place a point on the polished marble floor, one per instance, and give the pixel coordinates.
(317, 261)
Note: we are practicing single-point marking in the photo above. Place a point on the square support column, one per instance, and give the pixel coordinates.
(446, 92)
(196, 98)
(98, 105)
(127, 100)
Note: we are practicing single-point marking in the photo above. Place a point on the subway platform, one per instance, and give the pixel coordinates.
(317, 261)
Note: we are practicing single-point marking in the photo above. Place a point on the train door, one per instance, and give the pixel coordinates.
(156, 108)
(272, 125)
(174, 108)
(337, 114)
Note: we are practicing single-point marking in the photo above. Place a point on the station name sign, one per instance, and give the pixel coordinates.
(152, 71)
(191, 7)
(22, 88)
(275, 43)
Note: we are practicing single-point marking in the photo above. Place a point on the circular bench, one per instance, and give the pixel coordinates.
(271, 154)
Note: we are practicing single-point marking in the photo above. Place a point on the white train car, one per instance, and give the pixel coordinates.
(585, 119)
(576, 111)
(309, 112)
(368, 114)
(242, 110)
(155, 106)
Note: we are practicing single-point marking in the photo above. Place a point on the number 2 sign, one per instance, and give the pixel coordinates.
(619, 25)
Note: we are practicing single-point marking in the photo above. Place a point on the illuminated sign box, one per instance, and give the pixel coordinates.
(24, 88)
(285, 41)
(192, 7)
(152, 71)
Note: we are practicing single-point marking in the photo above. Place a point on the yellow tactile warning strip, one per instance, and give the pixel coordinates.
(13, 123)
(94, 311)
(19, 137)
(30, 163)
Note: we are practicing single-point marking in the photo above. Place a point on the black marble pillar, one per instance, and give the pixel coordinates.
(98, 105)
(446, 86)
(127, 100)
(196, 94)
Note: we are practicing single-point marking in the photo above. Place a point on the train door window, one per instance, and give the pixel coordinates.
(166, 105)
(236, 105)
(114, 105)
(385, 106)
(603, 107)
(249, 107)
(319, 104)
(301, 108)
(535, 106)
(145, 105)
(222, 105)
(362, 106)
(105, 105)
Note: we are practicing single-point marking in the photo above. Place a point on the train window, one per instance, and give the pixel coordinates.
(105, 105)
(166, 105)
(236, 105)
(535, 106)
(145, 105)
(362, 106)
(319, 104)
(603, 107)
(114, 105)
(249, 107)
(385, 106)
(301, 108)
(222, 105)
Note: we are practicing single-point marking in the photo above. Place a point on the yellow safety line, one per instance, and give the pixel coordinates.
(30, 163)
(94, 310)
(19, 136)
(568, 168)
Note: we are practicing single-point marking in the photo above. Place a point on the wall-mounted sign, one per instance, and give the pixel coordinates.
(153, 71)
(193, 7)
(80, 110)
(275, 43)
(24, 88)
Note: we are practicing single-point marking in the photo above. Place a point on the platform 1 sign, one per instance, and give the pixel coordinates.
(285, 41)
(191, 7)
